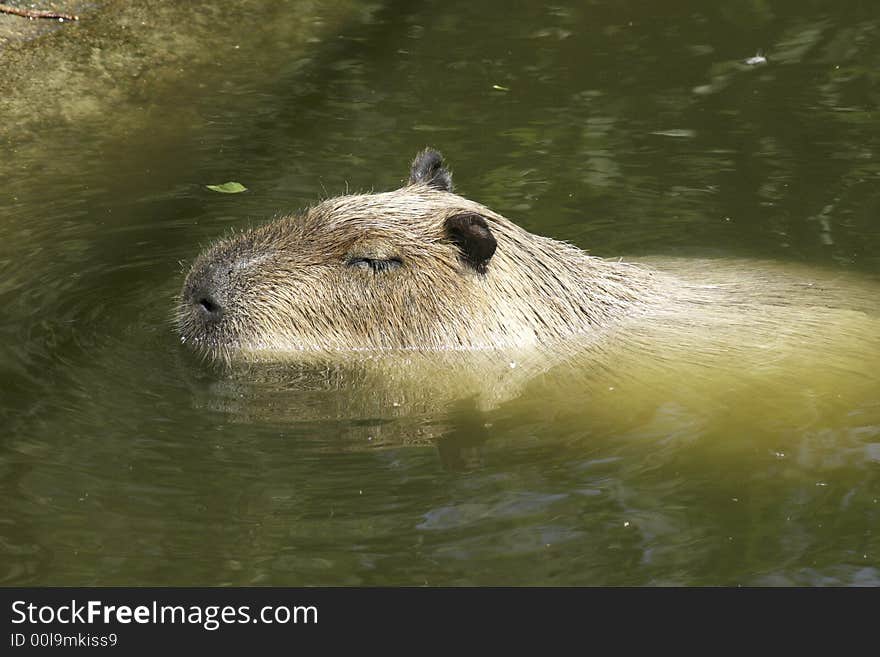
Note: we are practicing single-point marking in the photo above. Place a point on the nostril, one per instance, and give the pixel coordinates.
(209, 307)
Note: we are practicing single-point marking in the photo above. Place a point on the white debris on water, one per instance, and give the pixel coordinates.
(757, 60)
(680, 133)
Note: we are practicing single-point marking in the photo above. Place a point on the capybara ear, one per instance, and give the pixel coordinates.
(428, 168)
(471, 234)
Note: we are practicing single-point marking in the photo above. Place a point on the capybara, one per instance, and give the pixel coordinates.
(421, 269)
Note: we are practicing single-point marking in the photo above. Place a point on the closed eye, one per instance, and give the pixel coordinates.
(374, 264)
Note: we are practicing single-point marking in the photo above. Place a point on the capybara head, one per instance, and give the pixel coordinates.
(419, 268)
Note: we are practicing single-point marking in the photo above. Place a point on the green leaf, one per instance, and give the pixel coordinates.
(228, 188)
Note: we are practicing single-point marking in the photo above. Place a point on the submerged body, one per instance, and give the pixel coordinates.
(404, 302)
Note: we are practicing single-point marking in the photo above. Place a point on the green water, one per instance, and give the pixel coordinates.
(628, 128)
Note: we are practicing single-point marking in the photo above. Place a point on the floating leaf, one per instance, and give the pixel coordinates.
(228, 188)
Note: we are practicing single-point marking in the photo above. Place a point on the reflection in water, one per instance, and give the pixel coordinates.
(714, 460)
(461, 447)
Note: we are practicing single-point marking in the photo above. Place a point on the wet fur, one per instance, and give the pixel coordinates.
(286, 286)
(290, 288)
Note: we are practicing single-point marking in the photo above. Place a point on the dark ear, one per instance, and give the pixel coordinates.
(428, 168)
(471, 234)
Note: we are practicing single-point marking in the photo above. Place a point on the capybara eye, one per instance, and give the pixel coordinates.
(375, 264)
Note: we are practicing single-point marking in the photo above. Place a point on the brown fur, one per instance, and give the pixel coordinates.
(289, 287)
(286, 286)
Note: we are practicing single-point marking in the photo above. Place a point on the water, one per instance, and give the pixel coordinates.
(627, 128)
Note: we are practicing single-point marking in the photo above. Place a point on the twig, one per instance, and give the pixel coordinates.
(35, 13)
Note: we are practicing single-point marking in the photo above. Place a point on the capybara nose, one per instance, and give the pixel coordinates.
(204, 294)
